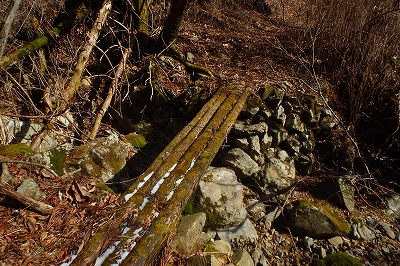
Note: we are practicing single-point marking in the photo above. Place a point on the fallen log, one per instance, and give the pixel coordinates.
(40, 41)
(151, 207)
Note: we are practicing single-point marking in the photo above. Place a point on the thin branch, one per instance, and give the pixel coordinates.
(30, 163)
(114, 86)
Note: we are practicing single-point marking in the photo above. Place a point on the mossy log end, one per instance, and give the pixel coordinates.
(40, 41)
(151, 207)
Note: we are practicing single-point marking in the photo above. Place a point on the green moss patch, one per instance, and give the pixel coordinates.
(338, 259)
(136, 140)
(15, 149)
(58, 157)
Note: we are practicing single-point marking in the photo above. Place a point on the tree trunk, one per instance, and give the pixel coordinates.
(171, 26)
(12, 9)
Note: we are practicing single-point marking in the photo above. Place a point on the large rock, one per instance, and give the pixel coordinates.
(221, 198)
(278, 175)
(31, 189)
(242, 128)
(243, 165)
(305, 218)
(188, 234)
(245, 230)
(102, 157)
(294, 124)
(339, 191)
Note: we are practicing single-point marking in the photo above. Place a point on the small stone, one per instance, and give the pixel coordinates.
(374, 254)
(385, 228)
(256, 254)
(371, 222)
(31, 189)
(243, 258)
(386, 251)
(357, 251)
(322, 252)
(308, 242)
(6, 177)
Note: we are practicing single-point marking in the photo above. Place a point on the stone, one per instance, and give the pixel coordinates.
(189, 57)
(266, 142)
(256, 255)
(277, 176)
(294, 124)
(291, 145)
(188, 233)
(256, 209)
(201, 260)
(272, 95)
(278, 134)
(386, 251)
(361, 231)
(310, 118)
(102, 158)
(6, 177)
(273, 214)
(338, 191)
(340, 258)
(308, 243)
(322, 252)
(307, 141)
(255, 149)
(243, 165)
(336, 240)
(252, 106)
(65, 120)
(371, 222)
(385, 228)
(242, 258)
(242, 143)
(305, 218)
(245, 230)
(393, 206)
(328, 121)
(304, 163)
(221, 250)
(279, 115)
(30, 188)
(242, 128)
(221, 198)
(374, 254)
(287, 106)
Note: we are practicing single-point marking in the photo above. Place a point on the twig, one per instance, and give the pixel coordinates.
(110, 94)
(23, 90)
(31, 203)
(30, 163)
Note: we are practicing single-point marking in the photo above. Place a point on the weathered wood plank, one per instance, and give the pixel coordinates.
(184, 160)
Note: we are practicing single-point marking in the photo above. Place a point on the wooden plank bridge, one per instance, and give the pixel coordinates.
(151, 208)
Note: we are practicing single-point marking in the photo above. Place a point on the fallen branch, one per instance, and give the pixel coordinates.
(114, 86)
(31, 203)
(83, 57)
(61, 28)
(30, 163)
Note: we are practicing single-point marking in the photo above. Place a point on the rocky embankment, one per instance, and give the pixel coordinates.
(247, 209)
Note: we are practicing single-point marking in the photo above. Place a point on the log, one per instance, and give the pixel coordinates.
(40, 41)
(153, 204)
(29, 202)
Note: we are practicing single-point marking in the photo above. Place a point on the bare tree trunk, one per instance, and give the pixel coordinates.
(12, 9)
(174, 20)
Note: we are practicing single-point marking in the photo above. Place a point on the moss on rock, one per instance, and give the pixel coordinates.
(58, 157)
(136, 140)
(337, 259)
(15, 149)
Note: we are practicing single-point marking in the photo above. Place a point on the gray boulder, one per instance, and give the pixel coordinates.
(221, 198)
(360, 231)
(245, 230)
(294, 124)
(242, 128)
(102, 157)
(339, 191)
(188, 233)
(31, 189)
(243, 165)
(305, 218)
(278, 175)
(242, 258)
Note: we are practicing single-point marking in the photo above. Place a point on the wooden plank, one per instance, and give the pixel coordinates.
(151, 192)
